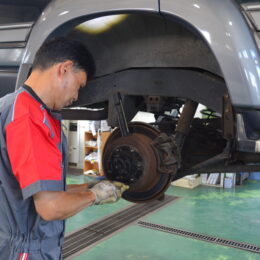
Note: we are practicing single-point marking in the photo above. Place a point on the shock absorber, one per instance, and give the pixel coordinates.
(184, 122)
(121, 115)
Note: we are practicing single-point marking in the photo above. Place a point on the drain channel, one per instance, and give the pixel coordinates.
(211, 239)
(81, 240)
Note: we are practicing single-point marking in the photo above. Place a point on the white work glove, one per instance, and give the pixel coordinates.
(108, 192)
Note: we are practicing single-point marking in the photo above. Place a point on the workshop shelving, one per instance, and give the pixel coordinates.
(93, 147)
(90, 153)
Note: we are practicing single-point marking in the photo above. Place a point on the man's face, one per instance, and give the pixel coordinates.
(72, 80)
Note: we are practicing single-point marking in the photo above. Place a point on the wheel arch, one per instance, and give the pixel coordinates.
(222, 25)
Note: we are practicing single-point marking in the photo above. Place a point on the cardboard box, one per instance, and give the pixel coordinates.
(189, 183)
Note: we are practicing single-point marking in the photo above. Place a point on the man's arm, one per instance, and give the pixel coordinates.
(58, 205)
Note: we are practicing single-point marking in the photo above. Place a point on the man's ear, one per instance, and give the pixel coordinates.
(63, 67)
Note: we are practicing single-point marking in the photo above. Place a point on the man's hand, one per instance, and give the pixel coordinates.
(108, 192)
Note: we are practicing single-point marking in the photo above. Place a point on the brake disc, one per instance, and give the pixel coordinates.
(145, 160)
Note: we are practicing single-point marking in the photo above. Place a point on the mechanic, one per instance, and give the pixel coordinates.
(34, 198)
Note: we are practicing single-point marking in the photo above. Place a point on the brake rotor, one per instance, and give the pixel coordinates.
(133, 161)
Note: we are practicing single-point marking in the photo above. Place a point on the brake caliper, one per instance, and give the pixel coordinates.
(167, 154)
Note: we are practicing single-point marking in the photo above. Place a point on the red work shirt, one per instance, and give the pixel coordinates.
(33, 140)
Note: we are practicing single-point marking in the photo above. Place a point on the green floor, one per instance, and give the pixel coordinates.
(232, 214)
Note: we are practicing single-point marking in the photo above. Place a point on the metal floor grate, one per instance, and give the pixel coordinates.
(211, 239)
(81, 240)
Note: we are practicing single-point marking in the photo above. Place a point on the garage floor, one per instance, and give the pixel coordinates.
(230, 214)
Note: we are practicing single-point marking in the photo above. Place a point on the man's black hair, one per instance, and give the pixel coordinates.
(62, 49)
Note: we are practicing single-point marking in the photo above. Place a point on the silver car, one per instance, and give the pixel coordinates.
(158, 56)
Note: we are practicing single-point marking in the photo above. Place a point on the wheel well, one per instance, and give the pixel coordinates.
(143, 40)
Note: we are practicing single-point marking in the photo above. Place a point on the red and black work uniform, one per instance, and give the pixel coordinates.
(32, 159)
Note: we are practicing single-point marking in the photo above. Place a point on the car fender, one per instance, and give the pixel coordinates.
(224, 28)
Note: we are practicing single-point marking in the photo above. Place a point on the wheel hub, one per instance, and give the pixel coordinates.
(125, 165)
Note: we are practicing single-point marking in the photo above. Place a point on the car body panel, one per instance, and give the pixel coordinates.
(11, 57)
(257, 39)
(223, 26)
(256, 18)
(15, 32)
(20, 11)
(253, 13)
(8, 78)
(12, 43)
